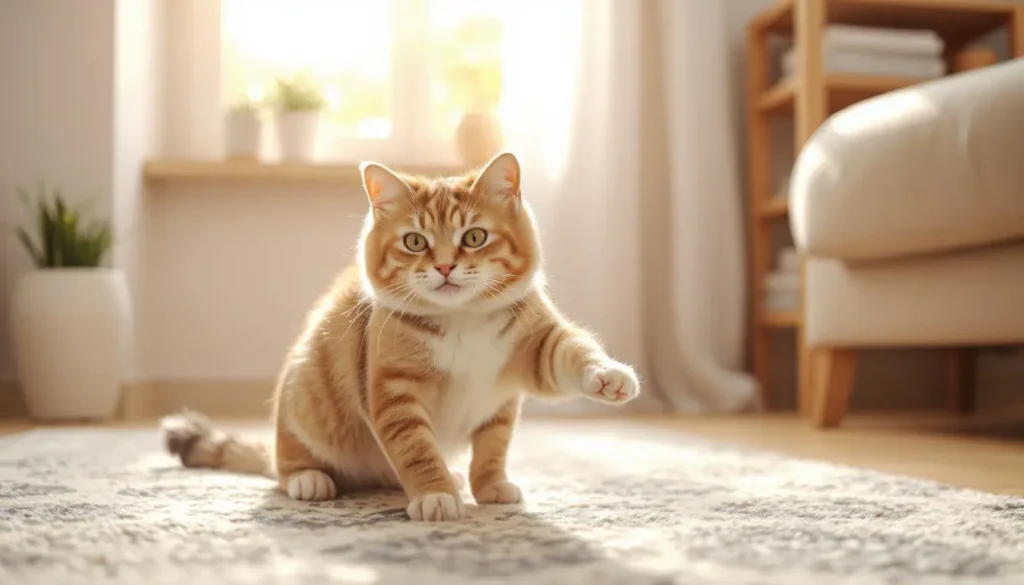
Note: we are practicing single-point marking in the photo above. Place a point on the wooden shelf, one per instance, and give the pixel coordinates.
(780, 319)
(958, 22)
(171, 171)
(843, 90)
(775, 207)
(808, 97)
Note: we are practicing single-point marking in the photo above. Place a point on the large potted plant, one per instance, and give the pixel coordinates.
(71, 316)
(298, 101)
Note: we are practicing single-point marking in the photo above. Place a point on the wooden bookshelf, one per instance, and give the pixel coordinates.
(808, 97)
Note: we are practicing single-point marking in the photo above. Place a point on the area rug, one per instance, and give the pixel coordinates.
(607, 503)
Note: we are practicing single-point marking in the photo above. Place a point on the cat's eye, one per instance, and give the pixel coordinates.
(415, 242)
(474, 238)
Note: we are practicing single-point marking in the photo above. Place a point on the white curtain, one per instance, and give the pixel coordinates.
(619, 112)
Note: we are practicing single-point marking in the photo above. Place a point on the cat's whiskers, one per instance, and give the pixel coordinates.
(520, 314)
(401, 308)
(363, 310)
(398, 286)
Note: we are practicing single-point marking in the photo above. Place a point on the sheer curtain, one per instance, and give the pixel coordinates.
(619, 112)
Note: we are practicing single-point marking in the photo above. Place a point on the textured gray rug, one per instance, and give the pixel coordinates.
(614, 504)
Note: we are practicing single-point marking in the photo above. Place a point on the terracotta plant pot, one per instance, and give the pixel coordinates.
(478, 138)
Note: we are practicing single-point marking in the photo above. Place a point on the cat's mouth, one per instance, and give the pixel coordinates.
(448, 288)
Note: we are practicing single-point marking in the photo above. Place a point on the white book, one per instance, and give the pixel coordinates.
(836, 61)
(889, 41)
(782, 281)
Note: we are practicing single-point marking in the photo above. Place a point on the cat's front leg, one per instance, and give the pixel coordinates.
(487, 476)
(403, 427)
(568, 359)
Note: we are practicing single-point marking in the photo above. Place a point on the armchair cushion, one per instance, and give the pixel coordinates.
(931, 168)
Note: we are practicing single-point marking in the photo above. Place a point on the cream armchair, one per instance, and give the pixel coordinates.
(909, 208)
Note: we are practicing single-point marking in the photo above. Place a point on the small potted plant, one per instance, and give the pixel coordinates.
(71, 316)
(298, 102)
(243, 129)
(471, 60)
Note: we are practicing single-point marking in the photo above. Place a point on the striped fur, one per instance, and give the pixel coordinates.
(421, 350)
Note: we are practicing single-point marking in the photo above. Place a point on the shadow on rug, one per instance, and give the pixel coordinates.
(615, 504)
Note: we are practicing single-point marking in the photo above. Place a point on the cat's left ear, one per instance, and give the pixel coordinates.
(500, 178)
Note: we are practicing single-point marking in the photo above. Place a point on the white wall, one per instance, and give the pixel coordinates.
(56, 116)
(81, 110)
(138, 135)
(233, 270)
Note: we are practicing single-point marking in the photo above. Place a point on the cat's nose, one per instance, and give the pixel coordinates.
(445, 269)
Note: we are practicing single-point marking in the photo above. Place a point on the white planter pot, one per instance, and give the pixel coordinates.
(72, 341)
(297, 135)
(242, 133)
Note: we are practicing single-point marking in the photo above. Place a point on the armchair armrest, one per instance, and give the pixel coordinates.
(930, 168)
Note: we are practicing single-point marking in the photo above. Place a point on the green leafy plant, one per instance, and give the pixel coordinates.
(245, 105)
(470, 59)
(298, 94)
(64, 239)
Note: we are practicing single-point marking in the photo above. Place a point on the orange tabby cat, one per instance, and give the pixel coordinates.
(421, 350)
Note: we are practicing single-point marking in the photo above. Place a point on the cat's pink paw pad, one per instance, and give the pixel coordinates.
(502, 492)
(611, 382)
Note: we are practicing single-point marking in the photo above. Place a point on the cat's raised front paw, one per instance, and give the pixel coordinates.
(437, 507)
(502, 492)
(611, 382)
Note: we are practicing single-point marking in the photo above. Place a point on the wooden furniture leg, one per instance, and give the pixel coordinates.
(960, 380)
(811, 108)
(1017, 33)
(834, 374)
(759, 137)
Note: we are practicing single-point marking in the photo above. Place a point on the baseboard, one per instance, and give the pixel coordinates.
(153, 399)
(221, 398)
(12, 406)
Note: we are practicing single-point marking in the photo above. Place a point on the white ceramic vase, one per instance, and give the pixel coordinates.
(242, 130)
(72, 331)
(297, 135)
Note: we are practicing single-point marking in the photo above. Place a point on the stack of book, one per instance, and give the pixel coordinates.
(880, 51)
(782, 286)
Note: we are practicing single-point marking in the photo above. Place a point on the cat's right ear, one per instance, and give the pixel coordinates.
(383, 187)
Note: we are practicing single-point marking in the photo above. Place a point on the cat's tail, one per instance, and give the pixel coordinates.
(193, 438)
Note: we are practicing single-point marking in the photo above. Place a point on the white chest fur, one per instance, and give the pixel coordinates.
(472, 353)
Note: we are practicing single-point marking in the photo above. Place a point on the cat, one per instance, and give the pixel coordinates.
(422, 349)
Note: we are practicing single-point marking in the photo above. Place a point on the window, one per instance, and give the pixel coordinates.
(397, 75)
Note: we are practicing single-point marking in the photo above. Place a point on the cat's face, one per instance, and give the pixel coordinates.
(436, 245)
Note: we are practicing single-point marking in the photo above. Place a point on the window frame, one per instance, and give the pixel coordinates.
(412, 140)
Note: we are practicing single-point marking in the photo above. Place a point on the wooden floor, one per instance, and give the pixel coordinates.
(984, 453)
